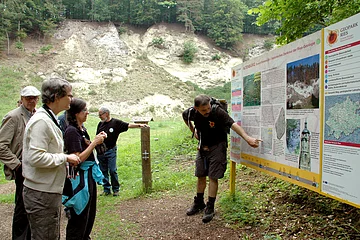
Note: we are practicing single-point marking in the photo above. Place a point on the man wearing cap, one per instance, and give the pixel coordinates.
(11, 145)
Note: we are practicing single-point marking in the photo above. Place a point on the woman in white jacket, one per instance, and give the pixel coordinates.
(44, 161)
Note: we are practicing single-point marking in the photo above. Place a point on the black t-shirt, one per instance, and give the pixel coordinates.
(112, 128)
(211, 129)
(74, 140)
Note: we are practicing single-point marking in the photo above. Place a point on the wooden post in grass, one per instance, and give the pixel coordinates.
(145, 153)
(232, 177)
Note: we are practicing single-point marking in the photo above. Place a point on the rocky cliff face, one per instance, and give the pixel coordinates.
(128, 73)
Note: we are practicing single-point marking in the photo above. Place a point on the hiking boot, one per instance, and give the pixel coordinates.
(197, 206)
(209, 213)
(105, 194)
(115, 194)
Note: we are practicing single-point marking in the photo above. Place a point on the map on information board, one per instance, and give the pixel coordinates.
(342, 118)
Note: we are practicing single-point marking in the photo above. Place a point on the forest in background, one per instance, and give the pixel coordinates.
(221, 20)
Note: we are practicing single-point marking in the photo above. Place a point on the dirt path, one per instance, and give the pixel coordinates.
(165, 218)
(7, 211)
(6, 220)
(162, 218)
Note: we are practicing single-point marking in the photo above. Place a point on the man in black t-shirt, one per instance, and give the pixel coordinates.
(107, 161)
(210, 129)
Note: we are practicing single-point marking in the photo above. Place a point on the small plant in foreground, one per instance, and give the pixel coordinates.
(272, 237)
(238, 209)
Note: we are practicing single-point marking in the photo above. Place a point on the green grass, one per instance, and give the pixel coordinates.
(221, 92)
(239, 210)
(109, 225)
(11, 82)
(2, 175)
(7, 198)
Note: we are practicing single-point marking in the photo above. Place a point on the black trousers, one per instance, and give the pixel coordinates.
(79, 226)
(20, 226)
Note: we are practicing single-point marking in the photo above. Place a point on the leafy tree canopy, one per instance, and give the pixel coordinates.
(225, 23)
(298, 17)
(221, 20)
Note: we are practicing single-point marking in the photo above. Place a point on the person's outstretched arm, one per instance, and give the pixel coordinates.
(253, 142)
(137, 125)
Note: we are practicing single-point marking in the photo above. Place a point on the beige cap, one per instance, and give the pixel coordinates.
(30, 91)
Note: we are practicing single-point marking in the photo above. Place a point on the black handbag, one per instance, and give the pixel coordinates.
(101, 149)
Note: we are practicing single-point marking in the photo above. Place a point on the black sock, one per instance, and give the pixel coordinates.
(200, 196)
(212, 200)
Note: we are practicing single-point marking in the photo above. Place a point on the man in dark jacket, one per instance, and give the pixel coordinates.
(210, 130)
(11, 144)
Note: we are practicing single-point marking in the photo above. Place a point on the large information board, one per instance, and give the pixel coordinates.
(303, 101)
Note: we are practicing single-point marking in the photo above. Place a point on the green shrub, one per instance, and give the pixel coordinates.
(244, 54)
(122, 30)
(189, 52)
(268, 44)
(21, 35)
(92, 92)
(45, 48)
(2, 42)
(19, 45)
(152, 108)
(157, 41)
(216, 57)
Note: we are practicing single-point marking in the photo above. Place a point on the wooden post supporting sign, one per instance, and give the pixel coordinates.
(232, 178)
(145, 153)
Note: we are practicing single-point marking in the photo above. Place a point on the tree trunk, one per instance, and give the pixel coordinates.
(18, 37)
(8, 43)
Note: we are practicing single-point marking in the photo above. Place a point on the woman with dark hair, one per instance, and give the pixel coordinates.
(82, 200)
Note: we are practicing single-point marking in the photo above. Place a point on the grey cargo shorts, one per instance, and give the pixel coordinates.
(211, 161)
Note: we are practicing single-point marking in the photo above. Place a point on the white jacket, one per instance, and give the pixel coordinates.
(43, 158)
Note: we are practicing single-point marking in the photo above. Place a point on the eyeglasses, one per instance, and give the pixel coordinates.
(85, 110)
(29, 98)
(100, 114)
